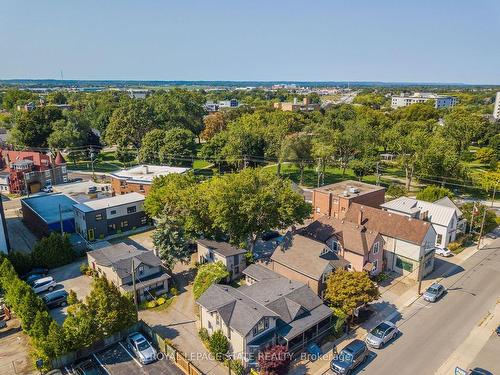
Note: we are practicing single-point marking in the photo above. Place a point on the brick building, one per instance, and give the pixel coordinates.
(334, 200)
(30, 171)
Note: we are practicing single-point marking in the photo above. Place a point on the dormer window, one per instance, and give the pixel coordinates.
(325, 250)
(261, 326)
(376, 247)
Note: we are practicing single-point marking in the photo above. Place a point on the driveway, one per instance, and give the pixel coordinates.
(178, 323)
(69, 277)
(20, 237)
(14, 350)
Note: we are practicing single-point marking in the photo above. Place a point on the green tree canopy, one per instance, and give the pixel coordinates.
(208, 274)
(432, 193)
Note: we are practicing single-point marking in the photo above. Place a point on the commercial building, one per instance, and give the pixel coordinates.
(334, 200)
(270, 309)
(444, 219)
(140, 178)
(100, 218)
(296, 106)
(119, 262)
(47, 213)
(496, 108)
(231, 256)
(214, 107)
(30, 171)
(440, 101)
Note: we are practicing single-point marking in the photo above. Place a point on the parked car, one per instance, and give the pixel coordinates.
(56, 299)
(444, 252)
(382, 334)
(36, 271)
(3, 324)
(92, 190)
(47, 189)
(32, 278)
(44, 284)
(350, 357)
(142, 348)
(434, 292)
(87, 367)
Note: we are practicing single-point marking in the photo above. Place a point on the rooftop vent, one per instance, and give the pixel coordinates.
(354, 190)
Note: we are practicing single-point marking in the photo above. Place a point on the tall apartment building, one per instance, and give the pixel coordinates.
(496, 110)
(334, 200)
(440, 101)
(29, 171)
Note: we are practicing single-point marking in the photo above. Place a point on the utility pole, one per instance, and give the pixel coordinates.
(484, 215)
(419, 291)
(472, 217)
(91, 150)
(378, 175)
(133, 287)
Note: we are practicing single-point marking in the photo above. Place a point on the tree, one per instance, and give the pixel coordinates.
(218, 345)
(473, 213)
(71, 131)
(462, 127)
(208, 274)
(347, 290)
(170, 242)
(32, 129)
(438, 159)
(53, 251)
(21, 262)
(362, 167)
(178, 148)
(129, 123)
(13, 97)
(152, 143)
(486, 155)
(432, 193)
(395, 191)
(298, 147)
(57, 97)
(274, 360)
(214, 123)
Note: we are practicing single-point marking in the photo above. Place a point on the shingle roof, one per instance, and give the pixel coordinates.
(120, 256)
(353, 237)
(389, 224)
(437, 213)
(304, 255)
(223, 248)
(260, 273)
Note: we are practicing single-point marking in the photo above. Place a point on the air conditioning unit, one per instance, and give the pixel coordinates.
(354, 190)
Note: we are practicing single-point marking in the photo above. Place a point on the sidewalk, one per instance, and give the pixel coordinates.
(400, 294)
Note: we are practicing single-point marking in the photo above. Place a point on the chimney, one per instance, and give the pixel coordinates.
(146, 169)
(360, 217)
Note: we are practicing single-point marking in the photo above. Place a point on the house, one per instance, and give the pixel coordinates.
(270, 309)
(443, 218)
(140, 178)
(358, 245)
(295, 106)
(30, 171)
(100, 218)
(333, 200)
(119, 262)
(306, 260)
(215, 251)
(462, 222)
(408, 242)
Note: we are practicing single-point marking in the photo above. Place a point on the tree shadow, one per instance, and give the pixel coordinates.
(167, 332)
(9, 331)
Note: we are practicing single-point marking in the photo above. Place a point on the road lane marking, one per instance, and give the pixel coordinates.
(98, 361)
(131, 356)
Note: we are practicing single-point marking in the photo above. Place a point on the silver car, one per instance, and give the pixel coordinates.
(382, 334)
(44, 284)
(142, 348)
(433, 292)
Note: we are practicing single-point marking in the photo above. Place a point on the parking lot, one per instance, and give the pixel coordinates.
(120, 360)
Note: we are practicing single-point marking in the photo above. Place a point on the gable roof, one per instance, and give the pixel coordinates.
(59, 159)
(304, 255)
(437, 214)
(120, 257)
(223, 248)
(353, 237)
(445, 201)
(390, 224)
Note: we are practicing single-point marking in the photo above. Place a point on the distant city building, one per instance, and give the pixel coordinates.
(139, 179)
(100, 218)
(296, 106)
(30, 171)
(138, 93)
(496, 110)
(214, 107)
(440, 101)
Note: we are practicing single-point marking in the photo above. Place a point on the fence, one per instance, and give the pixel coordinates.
(172, 353)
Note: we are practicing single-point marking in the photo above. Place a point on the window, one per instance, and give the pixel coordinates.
(403, 264)
(318, 210)
(124, 224)
(123, 183)
(141, 188)
(335, 246)
(63, 169)
(131, 210)
(144, 220)
(65, 178)
(141, 270)
(376, 247)
(98, 217)
(112, 227)
(375, 265)
(113, 212)
(439, 239)
(261, 326)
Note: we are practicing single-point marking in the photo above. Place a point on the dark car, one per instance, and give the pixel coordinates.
(36, 271)
(59, 298)
(267, 236)
(87, 367)
(350, 357)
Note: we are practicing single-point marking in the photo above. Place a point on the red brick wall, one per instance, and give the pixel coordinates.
(128, 187)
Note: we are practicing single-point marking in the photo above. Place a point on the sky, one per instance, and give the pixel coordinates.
(318, 40)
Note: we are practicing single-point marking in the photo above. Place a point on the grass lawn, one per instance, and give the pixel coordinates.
(105, 162)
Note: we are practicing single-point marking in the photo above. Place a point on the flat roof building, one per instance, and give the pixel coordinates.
(496, 109)
(440, 101)
(139, 179)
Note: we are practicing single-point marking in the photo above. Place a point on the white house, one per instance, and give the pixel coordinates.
(444, 219)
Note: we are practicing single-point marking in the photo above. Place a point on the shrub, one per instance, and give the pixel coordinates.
(396, 191)
(174, 291)
(204, 336)
(160, 301)
(151, 304)
(53, 251)
(432, 193)
(453, 246)
(84, 268)
(218, 345)
(237, 366)
(207, 275)
(72, 298)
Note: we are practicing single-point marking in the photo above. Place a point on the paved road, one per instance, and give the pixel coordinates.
(432, 332)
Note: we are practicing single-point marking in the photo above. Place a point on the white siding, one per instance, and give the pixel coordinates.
(119, 211)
